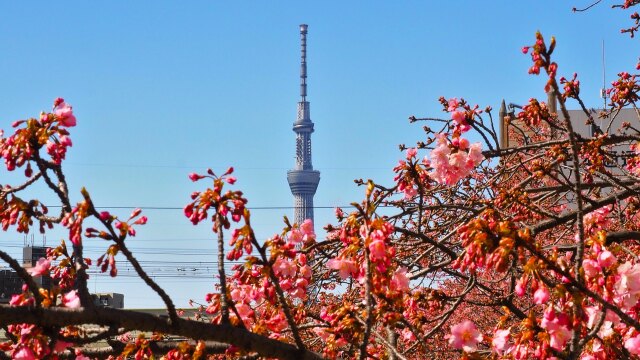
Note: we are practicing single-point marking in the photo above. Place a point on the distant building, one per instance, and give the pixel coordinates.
(11, 283)
(31, 255)
(512, 133)
(111, 300)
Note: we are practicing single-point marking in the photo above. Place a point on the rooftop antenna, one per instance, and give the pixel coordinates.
(603, 91)
(603, 94)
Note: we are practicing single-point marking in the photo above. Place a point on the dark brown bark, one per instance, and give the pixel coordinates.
(132, 320)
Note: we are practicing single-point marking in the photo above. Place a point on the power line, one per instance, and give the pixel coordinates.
(181, 208)
(237, 168)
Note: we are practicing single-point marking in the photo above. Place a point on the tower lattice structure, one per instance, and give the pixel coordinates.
(303, 180)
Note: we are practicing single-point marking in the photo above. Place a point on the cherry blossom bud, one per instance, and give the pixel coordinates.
(135, 213)
(141, 221)
(105, 215)
(541, 296)
(65, 140)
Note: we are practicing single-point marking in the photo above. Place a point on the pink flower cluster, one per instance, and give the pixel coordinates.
(254, 295)
(407, 170)
(627, 286)
(400, 280)
(64, 113)
(32, 344)
(597, 219)
(633, 164)
(596, 262)
(345, 267)
(461, 113)
(49, 131)
(558, 326)
(452, 162)
(74, 221)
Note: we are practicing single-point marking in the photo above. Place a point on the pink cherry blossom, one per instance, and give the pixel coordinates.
(307, 228)
(71, 299)
(628, 285)
(400, 281)
(557, 328)
(449, 167)
(244, 310)
(64, 112)
(452, 104)
(346, 268)
(465, 336)
(500, 340)
(305, 271)
(295, 236)
(597, 218)
(24, 353)
(558, 337)
(541, 296)
(606, 329)
(460, 120)
(65, 140)
(591, 268)
(411, 153)
(606, 259)
(284, 267)
(475, 154)
(377, 249)
(633, 345)
(408, 190)
(41, 268)
(463, 144)
(521, 286)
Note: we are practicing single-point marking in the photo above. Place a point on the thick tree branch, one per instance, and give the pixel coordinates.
(192, 329)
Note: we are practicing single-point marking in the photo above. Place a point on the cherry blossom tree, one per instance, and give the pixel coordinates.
(476, 251)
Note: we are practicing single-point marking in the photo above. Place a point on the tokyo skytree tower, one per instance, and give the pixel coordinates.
(303, 180)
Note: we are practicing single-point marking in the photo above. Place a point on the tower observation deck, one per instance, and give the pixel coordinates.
(303, 180)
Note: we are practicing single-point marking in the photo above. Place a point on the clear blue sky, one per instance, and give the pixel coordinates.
(164, 88)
